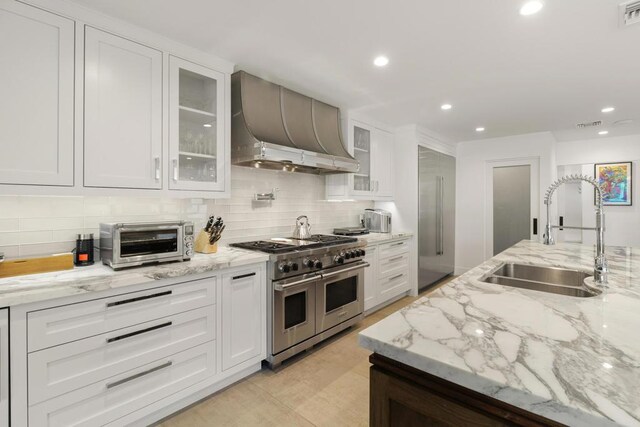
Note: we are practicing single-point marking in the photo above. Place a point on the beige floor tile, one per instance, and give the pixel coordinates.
(327, 386)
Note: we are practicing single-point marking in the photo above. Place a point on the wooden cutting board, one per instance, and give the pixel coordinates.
(22, 266)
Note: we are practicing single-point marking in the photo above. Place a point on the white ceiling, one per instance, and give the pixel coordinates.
(508, 73)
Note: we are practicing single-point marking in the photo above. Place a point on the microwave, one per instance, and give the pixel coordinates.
(132, 244)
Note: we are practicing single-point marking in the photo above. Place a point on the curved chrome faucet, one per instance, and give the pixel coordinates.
(600, 269)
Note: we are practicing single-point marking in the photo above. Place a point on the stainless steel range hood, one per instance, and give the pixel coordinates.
(273, 127)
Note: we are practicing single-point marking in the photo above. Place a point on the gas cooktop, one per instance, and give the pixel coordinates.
(278, 245)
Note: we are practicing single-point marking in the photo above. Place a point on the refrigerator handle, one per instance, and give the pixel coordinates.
(439, 214)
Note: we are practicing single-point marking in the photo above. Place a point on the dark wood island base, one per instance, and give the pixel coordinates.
(404, 396)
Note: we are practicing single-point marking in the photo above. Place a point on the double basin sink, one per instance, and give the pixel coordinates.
(545, 279)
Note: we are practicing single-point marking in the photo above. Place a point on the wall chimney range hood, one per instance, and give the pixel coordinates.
(273, 127)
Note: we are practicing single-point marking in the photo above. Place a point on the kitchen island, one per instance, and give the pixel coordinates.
(483, 354)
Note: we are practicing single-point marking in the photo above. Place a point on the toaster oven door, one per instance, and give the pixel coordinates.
(142, 244)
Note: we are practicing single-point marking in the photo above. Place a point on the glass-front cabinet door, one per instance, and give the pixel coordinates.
(196, 127)
(361, 135)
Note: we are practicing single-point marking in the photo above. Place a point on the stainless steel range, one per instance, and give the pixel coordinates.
(316, 290)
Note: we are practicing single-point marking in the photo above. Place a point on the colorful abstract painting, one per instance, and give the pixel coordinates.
(615, 179)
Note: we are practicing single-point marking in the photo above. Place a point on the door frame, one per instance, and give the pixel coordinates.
(534, 163)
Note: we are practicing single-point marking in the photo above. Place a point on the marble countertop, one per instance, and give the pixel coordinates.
(573, 360)
(99, 277)
(374, 238)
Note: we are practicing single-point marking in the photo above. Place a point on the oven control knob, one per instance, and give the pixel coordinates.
(362, 252)
(317, 264)
(189, 253)
(348, 254)
(338, 259)
(294, 266)
(309, 263)
(285, 268)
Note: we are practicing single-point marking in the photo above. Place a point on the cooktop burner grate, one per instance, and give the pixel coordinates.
(283, 245)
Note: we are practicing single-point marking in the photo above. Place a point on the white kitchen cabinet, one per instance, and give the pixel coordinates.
(390, 273)
(122, 113)
(373, 148)
(37, 101)
(196, 127)
(4, 368)
(243, 323)
(371, 278)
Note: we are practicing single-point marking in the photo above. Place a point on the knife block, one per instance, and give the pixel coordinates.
(201, 245)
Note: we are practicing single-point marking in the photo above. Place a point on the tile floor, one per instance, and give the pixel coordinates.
(326, 386)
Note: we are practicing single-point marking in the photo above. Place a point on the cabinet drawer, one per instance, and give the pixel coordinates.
(393, 265)
(71, 366)
(107, 400)
(391, 249)
(395, 282)
(54, 326)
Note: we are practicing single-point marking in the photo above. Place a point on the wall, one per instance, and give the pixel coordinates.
(622, 222)
(34, 225)
(471, 195)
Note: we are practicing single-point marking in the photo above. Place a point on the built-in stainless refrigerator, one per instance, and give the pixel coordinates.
(436, 216)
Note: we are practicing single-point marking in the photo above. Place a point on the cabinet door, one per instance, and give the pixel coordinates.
(122, 113)
(4, 368)
(243, 316)
(361, 137)
(196, 127)
(383, 164)
(371, 290)
(36, 105)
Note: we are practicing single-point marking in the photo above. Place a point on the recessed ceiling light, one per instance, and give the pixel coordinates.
(446, 107)
(608, 109)
(531, 8)
(607, 365)
(381, 61)
(480, 129)
(603, 132)
(479, 331)
(207, 125)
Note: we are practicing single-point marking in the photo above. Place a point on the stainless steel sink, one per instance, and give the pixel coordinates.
(545, 279)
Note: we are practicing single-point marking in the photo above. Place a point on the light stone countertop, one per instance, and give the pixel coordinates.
(573, 360)
(375, 238)
(98, 277)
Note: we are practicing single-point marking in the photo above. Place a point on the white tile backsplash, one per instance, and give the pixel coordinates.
(35, 225)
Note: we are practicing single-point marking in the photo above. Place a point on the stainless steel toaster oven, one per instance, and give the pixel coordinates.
(132, 244)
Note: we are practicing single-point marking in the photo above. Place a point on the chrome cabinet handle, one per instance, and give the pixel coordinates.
(139, 375)
(396, 258)
(175, 170)
(141, 331)
(391, 279)
(136, 299)
(157, 160)
(398, 244)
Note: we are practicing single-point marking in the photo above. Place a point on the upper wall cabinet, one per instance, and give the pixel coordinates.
(196, 133)
(37, 96)
(373, 148)
(122, 113)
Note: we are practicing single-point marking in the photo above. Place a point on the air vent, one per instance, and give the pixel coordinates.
(630, 13)
(589, 124)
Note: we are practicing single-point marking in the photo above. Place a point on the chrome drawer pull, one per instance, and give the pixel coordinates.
(138, 375)
(242, 276)
(397, 244)
(141, 331)
(396, 258)
(130, 300)
(395, 277)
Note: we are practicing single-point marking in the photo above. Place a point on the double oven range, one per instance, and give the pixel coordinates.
(316, 290)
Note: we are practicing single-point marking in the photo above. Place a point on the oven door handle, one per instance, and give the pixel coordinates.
(281, 287)
(346, 269)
